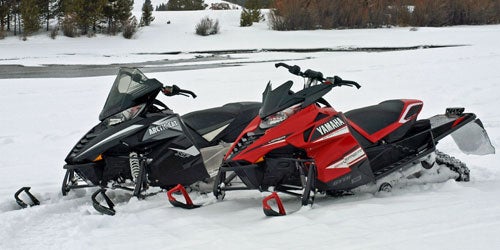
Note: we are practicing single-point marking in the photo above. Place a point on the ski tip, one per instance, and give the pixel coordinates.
(21, 203)
(179, 188)
(268, 210)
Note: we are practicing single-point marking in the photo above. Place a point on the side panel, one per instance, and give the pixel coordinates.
(334, 148)
(176, 160)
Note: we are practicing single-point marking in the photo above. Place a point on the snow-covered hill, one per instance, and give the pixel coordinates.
(41, 119)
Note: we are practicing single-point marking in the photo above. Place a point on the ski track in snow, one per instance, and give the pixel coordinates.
(41, 119)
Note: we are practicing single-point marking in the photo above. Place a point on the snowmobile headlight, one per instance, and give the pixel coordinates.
(125, 115)
(279, 117)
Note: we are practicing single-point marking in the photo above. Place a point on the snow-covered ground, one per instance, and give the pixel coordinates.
(41, 119)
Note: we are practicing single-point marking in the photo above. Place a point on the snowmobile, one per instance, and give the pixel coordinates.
(140, 142)
(300, 145)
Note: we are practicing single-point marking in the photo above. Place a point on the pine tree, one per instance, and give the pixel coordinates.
(161, 7)
(5, 6)
(117, 13)
(30, 16)
(47, 10)
(186, 5)
(251, 13)
(147, 13)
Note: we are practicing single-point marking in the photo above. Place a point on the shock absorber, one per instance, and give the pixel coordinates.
(135, 166)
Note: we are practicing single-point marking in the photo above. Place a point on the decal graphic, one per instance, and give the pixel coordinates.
(192, 151)
(349, 160)
(276, 140)
(329, 126)
(341, 131)
(211, 135)
(403, 120)
(125, 131)
(162, 125)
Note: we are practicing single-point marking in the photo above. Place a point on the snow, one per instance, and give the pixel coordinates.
(41, 119)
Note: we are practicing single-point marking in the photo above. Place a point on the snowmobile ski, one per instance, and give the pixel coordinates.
(180, 189)
(109, 209)
(268, 210)
(33, 200)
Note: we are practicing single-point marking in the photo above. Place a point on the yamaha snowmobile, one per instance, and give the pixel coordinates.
(300, 145)
(140, 142)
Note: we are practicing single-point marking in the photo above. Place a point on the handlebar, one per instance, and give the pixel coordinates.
(175, 90)
(316, 75)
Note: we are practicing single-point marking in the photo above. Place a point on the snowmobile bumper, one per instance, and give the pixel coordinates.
(250, 174)
(89, 171)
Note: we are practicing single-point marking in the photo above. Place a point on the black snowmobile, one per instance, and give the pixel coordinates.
(140, 142)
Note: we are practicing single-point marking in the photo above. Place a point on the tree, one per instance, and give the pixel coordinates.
(161, 7)
(186, 5)
(147, 13)
(30, 16)
(48, 9)
(117, 13)
(251, 13)
(5, 9)
(84, 14)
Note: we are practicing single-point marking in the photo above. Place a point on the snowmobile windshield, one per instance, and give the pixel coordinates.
(281, 98)
(131, 88)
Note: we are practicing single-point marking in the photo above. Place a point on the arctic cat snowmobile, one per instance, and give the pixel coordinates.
(140, 142)
(300, 145)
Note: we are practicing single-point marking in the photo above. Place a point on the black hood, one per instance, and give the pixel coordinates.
(282, 97)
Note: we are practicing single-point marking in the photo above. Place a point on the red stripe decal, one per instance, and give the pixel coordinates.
(459, 120)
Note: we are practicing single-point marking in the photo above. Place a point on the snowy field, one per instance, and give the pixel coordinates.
(41, 120)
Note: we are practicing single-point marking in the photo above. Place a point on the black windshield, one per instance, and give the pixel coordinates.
(131, 87)
(282, 97)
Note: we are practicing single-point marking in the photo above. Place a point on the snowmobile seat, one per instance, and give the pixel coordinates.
(224, 122)
(388, 120)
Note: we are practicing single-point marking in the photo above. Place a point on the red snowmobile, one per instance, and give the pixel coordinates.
(300, 145)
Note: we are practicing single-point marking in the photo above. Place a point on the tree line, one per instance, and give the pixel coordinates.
(73, 17)
(326, 14)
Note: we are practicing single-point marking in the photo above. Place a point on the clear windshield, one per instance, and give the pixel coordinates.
(131, 87)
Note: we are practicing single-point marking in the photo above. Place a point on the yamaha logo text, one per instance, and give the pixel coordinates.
(331, 125)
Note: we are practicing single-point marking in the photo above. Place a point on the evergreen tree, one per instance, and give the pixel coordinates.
(251, 13)
(147, 13)
(47, 10)
(124, 10)
(30, 16)
(186, 5)
(117, 13)
(85, 13)
(5, 9)
(161, 7)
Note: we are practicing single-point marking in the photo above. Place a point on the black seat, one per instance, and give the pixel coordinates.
(235, 115)
(374, 118)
